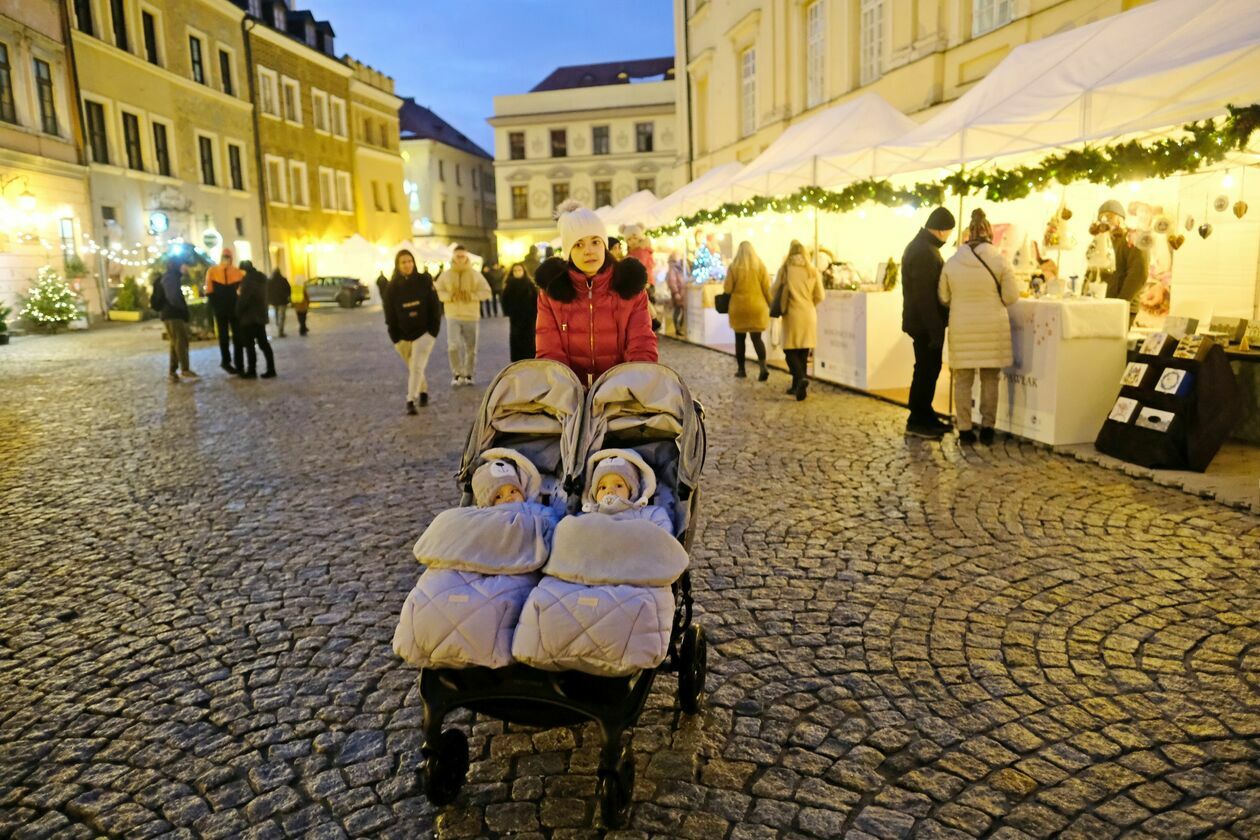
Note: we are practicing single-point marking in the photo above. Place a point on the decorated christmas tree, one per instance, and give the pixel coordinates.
(51, 304)
(707, 267)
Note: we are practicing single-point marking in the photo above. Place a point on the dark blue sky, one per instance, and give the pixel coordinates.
(456, 55)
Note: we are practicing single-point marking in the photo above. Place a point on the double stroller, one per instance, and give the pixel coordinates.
(538, 408)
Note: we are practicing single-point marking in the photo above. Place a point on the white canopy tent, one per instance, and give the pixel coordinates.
(682, 200)
(1150, 68)
(630, 210)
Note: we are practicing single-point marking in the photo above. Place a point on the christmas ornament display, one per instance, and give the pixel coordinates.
(1221, 203)
(1240, 209)
(1145, 240)
(1189, 223)
(1065, 213)
(1205, 230)
(1161, 225)
(1176, 240)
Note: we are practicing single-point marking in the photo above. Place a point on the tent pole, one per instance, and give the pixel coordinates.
(814, 181)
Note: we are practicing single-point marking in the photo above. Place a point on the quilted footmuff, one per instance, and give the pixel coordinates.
(608, 629)
(456, 619)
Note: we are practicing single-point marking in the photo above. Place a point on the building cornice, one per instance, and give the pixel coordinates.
(615, 161)
(386, 100)
(378, 153)
(612, 112)
(302, 50)
(43, 165)
(743, 32)
(166, 74)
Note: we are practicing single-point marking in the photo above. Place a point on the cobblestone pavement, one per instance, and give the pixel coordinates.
(199, 583)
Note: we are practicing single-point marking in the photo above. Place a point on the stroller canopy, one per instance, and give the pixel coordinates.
(534, 406)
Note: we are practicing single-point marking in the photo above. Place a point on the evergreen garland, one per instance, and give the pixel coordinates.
(1204, 144)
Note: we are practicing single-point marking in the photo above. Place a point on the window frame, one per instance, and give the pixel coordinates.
(520, 199)
(90, 130)
(512, 137)
(560, 193)
(8, 89)
(601, 133)
(136, 164)
(267, 75)
(345, 189)
(563, 146)
(871, 22)
(153, 51)
(648, 184)
(227, 82)
(605, 189)
(815, 54)
(319, 97)
(197, 58)
(337, 116)
(376, 197)
(205, 140)
(238, 180)
(84, 23)
(277, 186)
(990, 11)
(327, 189)
(287, 83)
(118, 25)
(639, 136)
(748, 92)
(304, 182)
(167, 148)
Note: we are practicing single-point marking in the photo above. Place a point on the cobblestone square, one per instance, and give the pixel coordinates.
(199, 584)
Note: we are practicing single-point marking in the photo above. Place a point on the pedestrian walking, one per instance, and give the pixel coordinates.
(923, 318)
(413, 316)
(300, 307)
(382, 286)
(168, 299)
(494, 279)
(798, 288)
(278, 294)
(520, 305)
(748, 284)
(251, 314)
(462, 288)
(1128, 279)
(978, 284)
(221, 285)
(676, 281)
(592, 310)
(616, 248)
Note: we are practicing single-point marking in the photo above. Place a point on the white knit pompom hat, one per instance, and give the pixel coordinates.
(577, 222)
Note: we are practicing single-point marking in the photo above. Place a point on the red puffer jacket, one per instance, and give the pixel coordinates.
(593, 325)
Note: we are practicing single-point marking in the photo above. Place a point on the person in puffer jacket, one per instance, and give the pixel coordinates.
(593, 310)
(605, 604)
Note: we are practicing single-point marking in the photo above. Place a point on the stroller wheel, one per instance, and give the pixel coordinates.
(444, 767)
(616, 786)
(693, 665)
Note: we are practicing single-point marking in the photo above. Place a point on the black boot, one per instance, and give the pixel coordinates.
(765, 373)
(739, 371)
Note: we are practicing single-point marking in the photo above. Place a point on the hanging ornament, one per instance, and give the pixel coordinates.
(1065, 213)
(1189, 223)
(1146, 240)
(1240, 209)
(1221, 203)
(1162, 225)
(1176, 240)
(1205, 230)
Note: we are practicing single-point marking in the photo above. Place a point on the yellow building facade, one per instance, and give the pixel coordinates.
(378, 165)
(754, 67)
(44, 208)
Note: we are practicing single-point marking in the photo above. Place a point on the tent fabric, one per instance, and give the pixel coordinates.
(680, 201)
(1160, 65)
(630, 210)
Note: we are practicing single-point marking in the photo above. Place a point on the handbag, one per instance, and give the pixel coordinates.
(778, 303)
(722, 303)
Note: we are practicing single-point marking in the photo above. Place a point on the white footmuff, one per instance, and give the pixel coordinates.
(609, 630)
(456, 619)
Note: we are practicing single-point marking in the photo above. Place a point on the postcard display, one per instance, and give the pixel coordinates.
(1178, 402)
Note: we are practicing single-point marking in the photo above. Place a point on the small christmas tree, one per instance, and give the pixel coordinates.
(51, 304)
(707, 267)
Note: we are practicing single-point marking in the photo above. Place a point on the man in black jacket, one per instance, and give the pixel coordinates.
(251, 314)
(923, 318)
(1132, 264)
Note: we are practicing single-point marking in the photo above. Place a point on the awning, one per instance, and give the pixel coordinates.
(689, 197)
(630, 210)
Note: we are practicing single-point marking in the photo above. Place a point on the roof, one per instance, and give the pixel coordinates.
(610, 73)
(416, 122)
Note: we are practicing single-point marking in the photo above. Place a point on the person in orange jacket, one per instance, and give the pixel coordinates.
(301, 305)
(222, 281)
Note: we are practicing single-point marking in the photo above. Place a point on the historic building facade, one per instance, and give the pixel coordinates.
(585, 132)
(382, 214)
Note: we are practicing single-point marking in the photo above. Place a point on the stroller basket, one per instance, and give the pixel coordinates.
(538, 408)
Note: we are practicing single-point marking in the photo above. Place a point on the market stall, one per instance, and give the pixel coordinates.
(860, 342)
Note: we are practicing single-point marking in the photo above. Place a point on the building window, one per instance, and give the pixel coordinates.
(225, 72)
(337, 113)
(603, 193)
(516, 145)
(599, 140)
(327, 190)
(559, 142)
(276, 191)
(279, 16)
(161, 150)
(297, 183)
(442, 170)
(643, 137)
(131, 142)
(235, 171)
(393, 203)
(268, 101)
(871, 46)
(319, 109)
(815, 54)
(748, 92)
(195, 57)
(255, 8)
(459, 210)
(292, 99)
(83, 15)
(240, 226)
(205, 149)
(520, 202)
(97, 138)
(648, 184)
(148, 23)
(8, 111)
(44, 90)
(376, 196)
(445, 218)
(118, 11)
(987, 15)
(559, 194)
(344, 202)
(385, 141)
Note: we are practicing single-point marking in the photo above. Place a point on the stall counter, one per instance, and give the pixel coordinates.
(705, 325)
(860, 342)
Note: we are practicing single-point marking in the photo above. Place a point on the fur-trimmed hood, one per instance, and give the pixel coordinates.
(629, 278)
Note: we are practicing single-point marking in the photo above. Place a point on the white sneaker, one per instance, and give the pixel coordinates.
(468, 380)
(456, 381)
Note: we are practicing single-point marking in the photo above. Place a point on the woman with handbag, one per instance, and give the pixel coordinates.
(978, 284)
(797, 292)
(747, 290)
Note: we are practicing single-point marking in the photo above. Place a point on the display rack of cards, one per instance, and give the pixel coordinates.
(1178, 401)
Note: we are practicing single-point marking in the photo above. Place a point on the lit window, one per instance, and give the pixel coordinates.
(344, 201)
(292, 100)
(276, 187)
(643, 137)
(8, 111)
(47, 105)
(520, 202)
(559, 194)
(599, 140)
(603, 193)
(559, 142)
(131, 141)
(516, 145)
(235, 171)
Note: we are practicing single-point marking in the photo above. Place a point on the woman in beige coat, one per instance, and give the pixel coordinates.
(748, 284)
(800, 285)
(978, 284)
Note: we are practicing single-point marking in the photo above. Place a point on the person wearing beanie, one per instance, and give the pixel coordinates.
(593, 310)
(620, 483)
(462, 288)
(1132, 264)
(923, 318)
(978, 285)
(616, 248)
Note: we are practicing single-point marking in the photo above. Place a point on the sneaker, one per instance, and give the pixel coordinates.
(967, 436)
(924, 429)
(986, 435)
(456, 381)
(271, 374)
(411, 407)
(424, 400)
(188, 374)
(468, 380)
(763, 376)
(174, 376)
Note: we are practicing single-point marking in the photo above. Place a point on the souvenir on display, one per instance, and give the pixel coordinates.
(1251, 338)
(1145, 240)
(1176, 240)
(1155, 419)
(1179, 326)
(1134, 374)
(1221, 203)
(1156, 344)
(1174, 381)
(1162, 225)
(1205, 230)
(1123, 410)
(1228, 330)
(1192, 347)
(1240, 209)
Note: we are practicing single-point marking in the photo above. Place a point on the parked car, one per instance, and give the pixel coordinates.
(346, 292)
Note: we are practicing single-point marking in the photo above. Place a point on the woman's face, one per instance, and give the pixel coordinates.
(588, 255)
(406, 264)
(518, 271)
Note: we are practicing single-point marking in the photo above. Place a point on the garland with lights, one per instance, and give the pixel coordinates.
(1204, 144)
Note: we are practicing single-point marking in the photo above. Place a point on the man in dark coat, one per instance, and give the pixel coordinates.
(494, 277)
(251, 313)
(168, 299)
(1132, 265)
(923, 318)
(278, 293)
